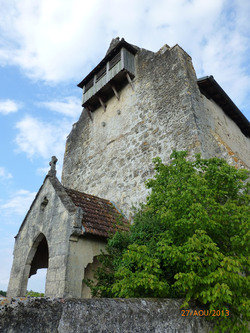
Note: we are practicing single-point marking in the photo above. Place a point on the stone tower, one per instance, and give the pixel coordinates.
(136, 105)
(139, 105)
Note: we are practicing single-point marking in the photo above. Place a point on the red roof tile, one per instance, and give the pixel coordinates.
(100, 217)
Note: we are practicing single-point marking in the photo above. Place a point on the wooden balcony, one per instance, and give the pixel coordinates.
(106, 80)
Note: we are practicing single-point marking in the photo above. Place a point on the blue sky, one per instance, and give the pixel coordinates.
(47, 47)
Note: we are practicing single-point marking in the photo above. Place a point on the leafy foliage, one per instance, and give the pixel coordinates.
(3, 293)
(32, 293)
(189, 240)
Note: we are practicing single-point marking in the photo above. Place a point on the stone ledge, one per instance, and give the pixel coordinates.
(96, 315)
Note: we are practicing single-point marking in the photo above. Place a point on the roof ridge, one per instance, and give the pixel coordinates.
(87, 194)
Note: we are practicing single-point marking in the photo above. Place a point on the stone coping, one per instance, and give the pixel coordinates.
(58, 315)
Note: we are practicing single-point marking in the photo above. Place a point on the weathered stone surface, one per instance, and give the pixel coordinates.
(164, 111)
(30, 315)
(67, 255)
(98, 316)
(109, 155)
(53, 222)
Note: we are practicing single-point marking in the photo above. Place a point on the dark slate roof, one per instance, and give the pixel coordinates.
(212, 90)
(100, 216)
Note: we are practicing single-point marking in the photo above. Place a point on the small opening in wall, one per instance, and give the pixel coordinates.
(89, 84)
(101, 74)
(115, 60)
(44, 203)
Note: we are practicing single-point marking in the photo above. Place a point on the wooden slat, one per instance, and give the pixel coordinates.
(129, 80)
(101, 74)
(102, 104)
(115, 60)
(89, 113)
(115, 92)
(89, 85)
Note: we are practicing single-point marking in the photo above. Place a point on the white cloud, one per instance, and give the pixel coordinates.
(226, 51)
(61, 40)
(37, 138)
(4, 174)
(8, 106)
(19, 203)
(47, 39)
(69, 106)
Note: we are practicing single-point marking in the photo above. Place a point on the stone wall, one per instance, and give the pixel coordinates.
(97, 316)
(111, 155)
(232, 144)
(52, 221)
(67, 254)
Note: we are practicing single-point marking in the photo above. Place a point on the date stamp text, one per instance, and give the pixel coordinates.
(205, 313)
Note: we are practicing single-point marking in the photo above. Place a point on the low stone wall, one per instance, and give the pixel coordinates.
(30, 315)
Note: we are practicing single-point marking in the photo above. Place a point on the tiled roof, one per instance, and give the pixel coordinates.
(100, 217)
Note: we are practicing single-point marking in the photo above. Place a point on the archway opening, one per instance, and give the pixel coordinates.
(89, 274)
(41, 257)
(39, 265)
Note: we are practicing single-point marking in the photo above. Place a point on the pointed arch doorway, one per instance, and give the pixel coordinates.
(38, 258)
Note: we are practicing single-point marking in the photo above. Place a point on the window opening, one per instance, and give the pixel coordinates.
(44, 203)
(115, 60)
(89, 84)
(101, 74)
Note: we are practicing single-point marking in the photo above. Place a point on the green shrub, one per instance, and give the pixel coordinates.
(189, 240)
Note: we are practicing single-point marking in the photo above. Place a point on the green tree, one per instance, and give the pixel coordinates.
(3, 293)
(32, 293)
(189, 240)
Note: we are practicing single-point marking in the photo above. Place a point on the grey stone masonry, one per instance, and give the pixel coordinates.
(51, 236)
(99, 316)
(109, 153)
(51, 218)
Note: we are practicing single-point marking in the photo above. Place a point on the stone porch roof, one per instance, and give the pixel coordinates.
(100, 216)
